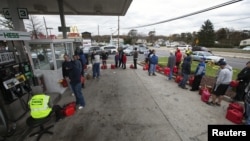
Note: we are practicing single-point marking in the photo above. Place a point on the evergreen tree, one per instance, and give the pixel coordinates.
(206, 35)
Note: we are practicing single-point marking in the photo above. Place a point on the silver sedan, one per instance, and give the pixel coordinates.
(197, 55)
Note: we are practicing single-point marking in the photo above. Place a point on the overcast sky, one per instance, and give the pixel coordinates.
(141, 12)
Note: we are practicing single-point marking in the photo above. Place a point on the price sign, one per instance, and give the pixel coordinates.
(6, 13)
(23, 13)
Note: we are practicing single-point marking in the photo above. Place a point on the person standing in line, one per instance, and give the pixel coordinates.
(135, 57)
(185, 70)
(171, 64)
(120, 57)
(153, 62)
(146, 56)
(76, 84)
(199, 73)
(247, 104)
(104, 58)
(83, 61)
(124, 60)
(65, 71)
(149, 54)
(178, 56)
(96, 65)
(222, 83)
(116, 59)
(243, 78)
(78, 62)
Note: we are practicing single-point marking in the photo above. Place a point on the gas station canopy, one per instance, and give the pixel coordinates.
(73, 7)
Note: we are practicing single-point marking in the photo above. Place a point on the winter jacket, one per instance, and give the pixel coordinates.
(171, 61)
(178, 56)
(153, 59)
(124, 58)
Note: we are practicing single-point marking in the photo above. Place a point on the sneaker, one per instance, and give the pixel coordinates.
(210, 103)
(154, 74)
(217, 104)
(80, 107)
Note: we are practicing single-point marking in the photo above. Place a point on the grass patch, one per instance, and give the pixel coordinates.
(211, 70)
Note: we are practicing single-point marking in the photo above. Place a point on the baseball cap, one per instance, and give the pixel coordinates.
(221, 63)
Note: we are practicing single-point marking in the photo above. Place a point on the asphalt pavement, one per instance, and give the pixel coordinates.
(129, 105)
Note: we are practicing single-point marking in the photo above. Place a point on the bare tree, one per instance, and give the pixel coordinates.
(6, 23)
(34, 26)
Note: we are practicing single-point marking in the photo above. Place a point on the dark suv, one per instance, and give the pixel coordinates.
(200, 48)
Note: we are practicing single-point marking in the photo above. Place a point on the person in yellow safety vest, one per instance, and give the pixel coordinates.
(40, 106)
(188, 51)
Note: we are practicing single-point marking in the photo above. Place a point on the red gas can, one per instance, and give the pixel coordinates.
(205, 95)
(131, 66)
(236, 106)
(69, 109)
(234, 115)
(191, 80)
(178, 78)
(167, 71)
(175, 70)
(234, 83)
(145, 67)
(112, 66)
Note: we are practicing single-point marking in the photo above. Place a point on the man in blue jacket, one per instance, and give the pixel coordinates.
(153, 62)
(199, 73)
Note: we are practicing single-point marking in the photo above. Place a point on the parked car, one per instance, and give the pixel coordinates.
(246, 48)
(201, 48)
(109, 49)
(197, 55)
(142, 50)
(157, 46)
(89, 50)
(129, 51)
(184, 47)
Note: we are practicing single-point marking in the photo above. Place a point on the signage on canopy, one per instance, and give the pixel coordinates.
(14, 35)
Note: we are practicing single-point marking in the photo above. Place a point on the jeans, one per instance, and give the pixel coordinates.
(77, 89)
(170, 74)
(96, 69)
(68, 82)
(152, 68)
(248, 113)
(135, 63)
(184, 80)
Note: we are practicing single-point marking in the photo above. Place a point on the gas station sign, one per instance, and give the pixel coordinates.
(14, 35)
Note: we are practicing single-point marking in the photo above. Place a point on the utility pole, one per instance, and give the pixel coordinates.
(45, 27)
(118, 31)
(98, 33)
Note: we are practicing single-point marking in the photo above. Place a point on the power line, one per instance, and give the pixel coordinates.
(187, 15)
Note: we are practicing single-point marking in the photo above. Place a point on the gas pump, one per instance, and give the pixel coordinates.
(15, 81)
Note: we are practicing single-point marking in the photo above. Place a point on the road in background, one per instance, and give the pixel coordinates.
(236, 60)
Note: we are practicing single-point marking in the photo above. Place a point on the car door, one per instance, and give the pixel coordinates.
(195, 56)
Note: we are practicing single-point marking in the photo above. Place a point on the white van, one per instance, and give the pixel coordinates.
(184, 47)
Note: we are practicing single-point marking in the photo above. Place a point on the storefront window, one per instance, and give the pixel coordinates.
(44, 56)
(41, 56)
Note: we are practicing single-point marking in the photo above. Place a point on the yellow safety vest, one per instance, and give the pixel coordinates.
(39, 107)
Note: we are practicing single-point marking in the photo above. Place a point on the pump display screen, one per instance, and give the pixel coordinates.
(6, 57)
